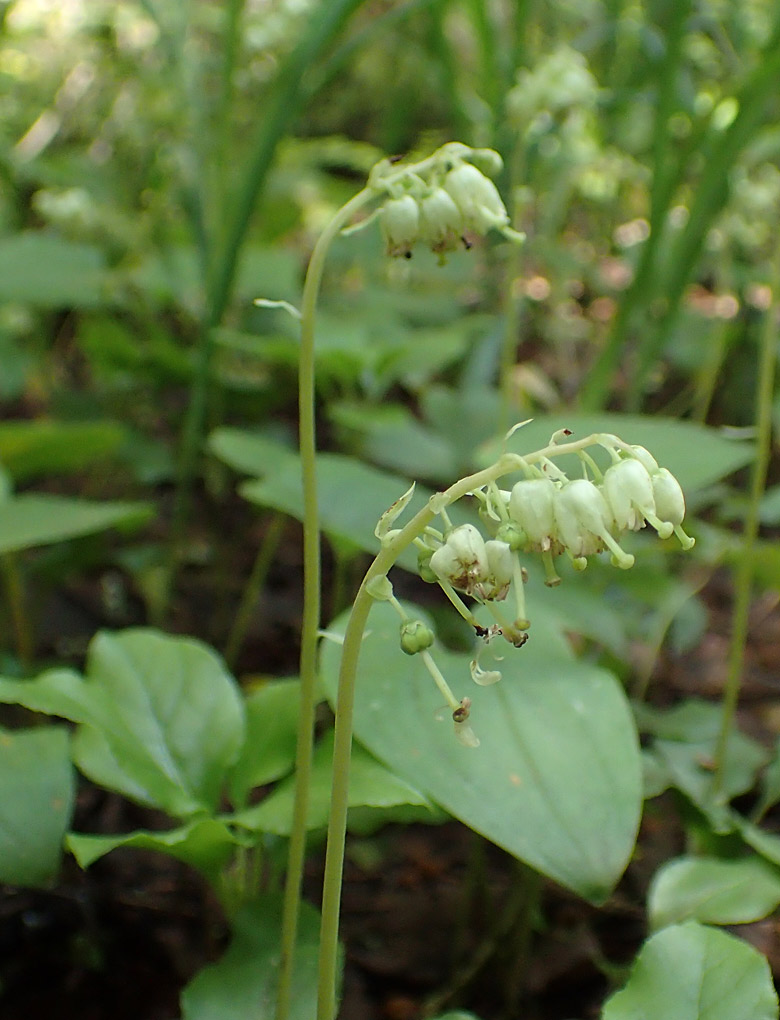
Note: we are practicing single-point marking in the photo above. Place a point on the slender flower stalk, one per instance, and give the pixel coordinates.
(311, 597)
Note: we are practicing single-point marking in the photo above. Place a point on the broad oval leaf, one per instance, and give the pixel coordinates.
(36, 799)
(160, 718)
(556, 780)
(713, 891)
(691, 972)
(243, 982)
(169, 714)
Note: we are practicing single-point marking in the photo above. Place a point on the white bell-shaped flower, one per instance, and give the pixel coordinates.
(628, 491)
(531, 506)
(583, 520)
(477, 198)
(462, 560)
(441, 221)
(500, 571)
(399, 219)
(669, 499)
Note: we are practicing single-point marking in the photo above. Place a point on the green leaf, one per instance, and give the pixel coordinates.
(163, 720)
(28, 520)
(556, 780)
(206, 844)
(370, 785)
(243, 982)
(251, 453)
(696, 455)
(690, 972)
(30, 448)
(271, 734)
(36, 800)
(713, 891)
(45, 271)
(682, 755)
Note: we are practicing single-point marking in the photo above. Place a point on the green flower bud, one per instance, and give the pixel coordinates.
(513, 535)
(415, 637)
(424, 568)
(399, 219)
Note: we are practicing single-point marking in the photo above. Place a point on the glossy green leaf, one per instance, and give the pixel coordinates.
(206, 844)
(556, 779)
(32, 448)
(370, 785)
(691, 972)
(163, 719)
(36, 800)
(30, 520)
(271, 734)
(46, 271)
(243, 982)
(713, 891)
(695, 454)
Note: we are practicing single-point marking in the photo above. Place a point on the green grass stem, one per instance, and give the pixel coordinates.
(743, 574)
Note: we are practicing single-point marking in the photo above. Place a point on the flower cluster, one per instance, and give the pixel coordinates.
(544, 513)
(440, 202)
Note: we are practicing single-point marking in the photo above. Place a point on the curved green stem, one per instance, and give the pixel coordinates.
(311, 596)
(744, 571)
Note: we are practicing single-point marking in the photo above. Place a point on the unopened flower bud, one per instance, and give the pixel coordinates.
(477, 198)
(415, 637)
(400, 222)
(531, 507)
(441, 222)
(424, 568)
(513, 535)
(629, 493)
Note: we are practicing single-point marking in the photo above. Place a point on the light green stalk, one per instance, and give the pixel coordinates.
(311, 595)
(743, 582)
